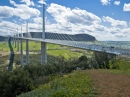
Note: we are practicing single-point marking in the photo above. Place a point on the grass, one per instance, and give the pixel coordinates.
(32, 45)
(65, 53)
(120, 66)
(4, 47)
(76, 84)
(52, 49)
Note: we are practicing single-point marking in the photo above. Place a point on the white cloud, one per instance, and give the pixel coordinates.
(126, 7)
(12, 2)
(42, 2)
(26, 12)
(65, 15)
(114, 22)
(7, 26)
(117, 2)
(20, 10)
(105, 2)
(114, 30)
(72, 21)
(113, 33)
(6, 12)
(38, 20)
(28, 2)
(35, 26)
(126, 31)
(75, 21)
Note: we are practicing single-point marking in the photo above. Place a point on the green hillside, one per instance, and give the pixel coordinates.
(76, 84)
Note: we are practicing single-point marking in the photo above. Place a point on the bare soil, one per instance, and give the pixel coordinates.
(8, 53)
(109, 84)
(4, 53)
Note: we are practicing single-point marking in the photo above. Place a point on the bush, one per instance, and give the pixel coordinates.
(82, 63)
(120, 63)
(42, 80)
(102, 60)
(83, 58)
(14, 83)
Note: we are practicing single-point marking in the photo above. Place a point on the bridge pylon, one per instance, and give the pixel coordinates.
(43, 44)
(17, 41)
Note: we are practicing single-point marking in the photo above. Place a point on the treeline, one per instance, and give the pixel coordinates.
(29, 77)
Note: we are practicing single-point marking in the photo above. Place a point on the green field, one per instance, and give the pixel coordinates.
(52, 49)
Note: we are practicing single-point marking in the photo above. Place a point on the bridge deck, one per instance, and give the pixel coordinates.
(85, 45)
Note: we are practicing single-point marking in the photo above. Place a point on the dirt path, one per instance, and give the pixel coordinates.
(111, 85)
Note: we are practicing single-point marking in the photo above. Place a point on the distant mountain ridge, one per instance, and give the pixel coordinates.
(76, 37)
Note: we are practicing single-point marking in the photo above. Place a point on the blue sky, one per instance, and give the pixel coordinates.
(104, 19)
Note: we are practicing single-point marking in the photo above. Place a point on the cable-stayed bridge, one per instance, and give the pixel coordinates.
(66, 40)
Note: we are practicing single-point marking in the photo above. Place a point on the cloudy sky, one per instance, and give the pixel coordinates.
(104, 19)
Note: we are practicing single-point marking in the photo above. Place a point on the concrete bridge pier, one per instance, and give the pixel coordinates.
(27, 52)
(17, 44)
(15, 41)
(21, 49)
(27, 47)
(43, 53)
(21, 53)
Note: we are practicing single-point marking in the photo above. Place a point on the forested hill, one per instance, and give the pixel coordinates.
(76, 37)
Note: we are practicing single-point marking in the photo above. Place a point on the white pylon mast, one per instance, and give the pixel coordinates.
(43, 23)
(43, 44)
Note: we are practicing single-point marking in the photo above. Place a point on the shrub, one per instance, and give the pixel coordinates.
(82, 63)
(14, 83)
(120, 63)
(42, 80)
(102, 60)
(83, 58)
